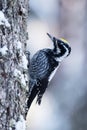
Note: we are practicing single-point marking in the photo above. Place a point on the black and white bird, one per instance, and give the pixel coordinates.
(43, 66)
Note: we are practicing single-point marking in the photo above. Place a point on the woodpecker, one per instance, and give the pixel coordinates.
(43, 66)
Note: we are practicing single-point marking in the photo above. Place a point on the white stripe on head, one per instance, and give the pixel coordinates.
(65, 55)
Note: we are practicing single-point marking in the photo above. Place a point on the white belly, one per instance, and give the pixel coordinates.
(52, 74)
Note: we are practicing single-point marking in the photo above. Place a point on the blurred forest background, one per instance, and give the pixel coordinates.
(64, 105)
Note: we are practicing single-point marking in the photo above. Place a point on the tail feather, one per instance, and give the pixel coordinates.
(32, 95)
(36, 88)
(42, 90)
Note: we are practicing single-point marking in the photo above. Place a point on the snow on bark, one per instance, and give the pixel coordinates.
(3, 20)
(20, 125)
(3, 50)
(13, 63)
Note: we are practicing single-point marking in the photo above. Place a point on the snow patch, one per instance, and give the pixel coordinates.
(24, 62)
(12, 123)
(20, 125)
(23, 59)
(23, 10)
(17, 73)
(3, 20)
(19, 45)
(22, 78)
(4, 50)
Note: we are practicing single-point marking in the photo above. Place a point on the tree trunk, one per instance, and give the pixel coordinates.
(13, 63)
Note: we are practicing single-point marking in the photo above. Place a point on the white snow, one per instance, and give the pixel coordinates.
(20, 125)
(24, 61)
(23, 10)
(19, 45)
(23, 81)
(12, 123)
(4, 50)
(3, 20)
(17, 73)
(21, 77)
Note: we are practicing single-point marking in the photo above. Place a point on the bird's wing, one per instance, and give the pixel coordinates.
(33, 91)
(39, 65)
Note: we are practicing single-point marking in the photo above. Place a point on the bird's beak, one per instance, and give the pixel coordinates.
(60, 39)
(50, 36)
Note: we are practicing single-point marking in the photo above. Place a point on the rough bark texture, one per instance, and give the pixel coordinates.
(13, 69)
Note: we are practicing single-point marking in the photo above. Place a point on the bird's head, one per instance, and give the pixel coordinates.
(61, 44)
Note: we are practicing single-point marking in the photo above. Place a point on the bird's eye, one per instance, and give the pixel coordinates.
(62, 43)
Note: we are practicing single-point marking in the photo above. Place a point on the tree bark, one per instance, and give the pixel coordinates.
(13, 63)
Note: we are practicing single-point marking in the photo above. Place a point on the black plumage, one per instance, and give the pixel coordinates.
(41, 66)
(43, 63)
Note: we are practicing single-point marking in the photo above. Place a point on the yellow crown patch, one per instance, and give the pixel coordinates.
(62, 39)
